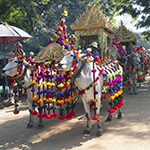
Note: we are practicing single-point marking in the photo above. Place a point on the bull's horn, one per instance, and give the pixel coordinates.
(22, 52)
(83, 55)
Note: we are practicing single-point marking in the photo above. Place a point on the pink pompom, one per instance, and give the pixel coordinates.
(97, 78)
(110, 83)
(97, 59)
(94, 70)
(29, 59)
(89, 54)
(101, 70)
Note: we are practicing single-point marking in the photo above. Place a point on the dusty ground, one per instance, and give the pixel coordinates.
(132, 132)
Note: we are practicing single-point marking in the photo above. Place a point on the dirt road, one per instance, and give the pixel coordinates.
(132, 132)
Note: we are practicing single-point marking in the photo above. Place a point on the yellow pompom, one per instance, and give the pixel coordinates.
(66, 40)
(31, 53)
(48, 83)
(39, 85)
(60, 85)
(15, 84)
(44, 98)
(15, 98)
(95, 100)
(65, 13)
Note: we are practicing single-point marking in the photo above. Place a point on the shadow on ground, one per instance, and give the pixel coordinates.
(67, 134)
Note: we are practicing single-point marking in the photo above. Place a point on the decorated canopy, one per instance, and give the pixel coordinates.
(93, 26)
(124, 35)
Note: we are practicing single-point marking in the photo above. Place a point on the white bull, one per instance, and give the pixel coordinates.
(11, 70)
(83, 77)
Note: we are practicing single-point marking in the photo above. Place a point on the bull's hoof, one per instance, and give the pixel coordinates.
(29, 126)
(135, 93)
(86, 131)
(119, 116)
(40, 126)
(99, 133)
(131, 93)
(109, 118)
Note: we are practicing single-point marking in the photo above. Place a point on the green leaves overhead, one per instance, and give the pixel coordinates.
(41, 17)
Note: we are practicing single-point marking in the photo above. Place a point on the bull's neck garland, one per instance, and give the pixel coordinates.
(14, 84)
(64, 96)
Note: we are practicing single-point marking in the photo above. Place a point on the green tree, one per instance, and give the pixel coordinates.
(142, 6)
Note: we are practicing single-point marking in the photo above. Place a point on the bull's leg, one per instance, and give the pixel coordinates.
(40, 125)
(135, 89)
(144, 76)
(139, 84)
(119, 114)
(99, 128)
(87, 110)
(131, 89)
(88, 126)
(31, 121)
(30, 124)
(109, 118)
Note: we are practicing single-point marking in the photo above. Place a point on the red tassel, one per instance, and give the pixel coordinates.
(95, 117)
(53, 115)
(115, 107)
(48, 116)
(111, 111)
(61, 117)
(129, 84)
(75, 66)
(12, 84)
(16, 112)
(91, 105)
(68, 116)
(65, 84)
(40, 116)
(48, 43)
(58, 104)
(73, 114)
(34, 113)
(121, 100)
(73, 62)
(45, 115)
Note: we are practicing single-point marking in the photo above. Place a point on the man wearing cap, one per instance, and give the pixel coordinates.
(94, 48)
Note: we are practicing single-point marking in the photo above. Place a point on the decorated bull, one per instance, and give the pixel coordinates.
(132, 71)
(131, 64)
(41, 79)
(90, 79)
(21, 70)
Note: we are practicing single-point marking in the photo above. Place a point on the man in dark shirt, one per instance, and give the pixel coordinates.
(94, 48)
